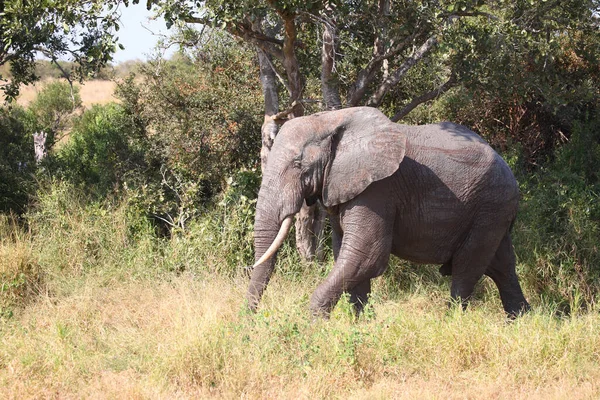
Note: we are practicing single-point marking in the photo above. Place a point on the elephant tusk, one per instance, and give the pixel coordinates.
(286, 225)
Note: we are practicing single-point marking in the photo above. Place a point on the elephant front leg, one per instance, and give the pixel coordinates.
(364, 254)
(336, 235)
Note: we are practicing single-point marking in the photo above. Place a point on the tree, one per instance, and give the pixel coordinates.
(84, 31)
(394, 55)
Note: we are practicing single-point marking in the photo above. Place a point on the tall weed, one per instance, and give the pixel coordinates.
(21, 277)
(74, 235)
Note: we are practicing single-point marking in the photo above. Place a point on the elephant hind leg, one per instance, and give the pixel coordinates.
(359, 295)
(502, 271)
(446, 269)
(469, 263)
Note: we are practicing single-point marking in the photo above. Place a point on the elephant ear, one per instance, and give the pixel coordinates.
(360, 157)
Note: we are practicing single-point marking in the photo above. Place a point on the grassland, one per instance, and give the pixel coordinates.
(96, 306)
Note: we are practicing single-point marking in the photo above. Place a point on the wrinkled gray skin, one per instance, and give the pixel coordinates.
(436, 194)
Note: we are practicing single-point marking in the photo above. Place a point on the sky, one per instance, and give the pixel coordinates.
(138, 33)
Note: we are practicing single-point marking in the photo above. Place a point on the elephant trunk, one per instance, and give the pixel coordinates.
(266, 243)
(277, 242)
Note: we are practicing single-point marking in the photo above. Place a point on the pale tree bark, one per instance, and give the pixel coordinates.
(366, 75)
(268, 80)
(290, 64)
(329, 82)
(401, 71)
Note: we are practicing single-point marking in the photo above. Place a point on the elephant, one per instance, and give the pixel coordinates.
(434, 194)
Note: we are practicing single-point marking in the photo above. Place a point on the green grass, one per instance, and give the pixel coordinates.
(96, 306)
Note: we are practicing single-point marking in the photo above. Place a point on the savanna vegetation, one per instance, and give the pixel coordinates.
(122, 252)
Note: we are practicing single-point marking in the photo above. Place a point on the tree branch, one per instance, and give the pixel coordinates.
(329, 82)
(367, 74)
(279, 77)
(393, 80)
(469, 14)
(290, 62)
(64, 73)
(268, 44)
(380, 57)
(424, 98)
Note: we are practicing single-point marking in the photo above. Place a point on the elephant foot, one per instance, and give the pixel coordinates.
(518, 310)
(321, 307)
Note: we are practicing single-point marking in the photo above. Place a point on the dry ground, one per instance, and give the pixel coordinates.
(92, 92)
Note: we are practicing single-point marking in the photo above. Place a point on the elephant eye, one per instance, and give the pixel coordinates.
(297, 163)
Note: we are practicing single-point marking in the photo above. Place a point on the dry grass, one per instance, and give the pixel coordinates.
(92, 92)
(190, 338)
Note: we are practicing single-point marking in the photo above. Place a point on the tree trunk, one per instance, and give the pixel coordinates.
(309, 222)
(269, 127)
(329, 82)
(268, 80)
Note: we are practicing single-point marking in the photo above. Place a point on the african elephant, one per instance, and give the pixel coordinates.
(436, 194)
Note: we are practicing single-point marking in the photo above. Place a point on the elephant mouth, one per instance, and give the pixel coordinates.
(286, 225)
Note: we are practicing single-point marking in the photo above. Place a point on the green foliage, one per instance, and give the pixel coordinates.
(525, 70)
(541, 76)
(198, 116)
(205, 111)
(17, 162)
(75, 234)
(101, 154)
(53, 108)
(558, 230)
(226, 230)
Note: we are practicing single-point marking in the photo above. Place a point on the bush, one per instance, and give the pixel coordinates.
(73, 234)
(224, 232)
(17, 163)
(53, 108)
(204, 111)
(102, 153)
(558, 229)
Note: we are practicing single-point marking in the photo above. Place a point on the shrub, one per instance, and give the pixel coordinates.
(558, 229)
(74, 234)
(53, 108)
(101, 154)
(17, 162)
(204, 112)
(224, 232)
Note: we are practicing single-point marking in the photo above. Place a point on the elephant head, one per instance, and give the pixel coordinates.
(331, 157)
